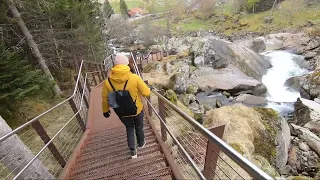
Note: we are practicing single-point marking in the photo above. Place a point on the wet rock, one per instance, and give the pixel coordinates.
(303, 146)
(311, 139)
(225, 93)
(310, 55)
(248, 61)
(251, 100)
(306, 111)
(218, 103)
(259, 90)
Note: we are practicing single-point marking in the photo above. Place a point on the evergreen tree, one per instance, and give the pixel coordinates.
(107, 10)
(123, 8)
(18, 77)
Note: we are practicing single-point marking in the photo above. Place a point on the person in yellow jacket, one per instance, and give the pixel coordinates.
(121, 77)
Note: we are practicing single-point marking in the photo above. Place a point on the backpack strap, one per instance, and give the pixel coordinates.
(125, 85)
(111, 84)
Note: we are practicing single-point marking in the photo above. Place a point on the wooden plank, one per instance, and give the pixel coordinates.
(45, 138)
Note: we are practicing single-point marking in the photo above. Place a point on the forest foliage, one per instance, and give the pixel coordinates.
(65, 31)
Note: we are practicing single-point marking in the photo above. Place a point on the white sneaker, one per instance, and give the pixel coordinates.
(140, 147)
(133, 154)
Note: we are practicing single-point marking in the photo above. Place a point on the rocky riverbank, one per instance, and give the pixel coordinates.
(219, 82)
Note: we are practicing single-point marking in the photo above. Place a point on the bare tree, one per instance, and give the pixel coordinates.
(32, 44)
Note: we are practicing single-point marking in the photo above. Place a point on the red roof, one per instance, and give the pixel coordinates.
(134, 11)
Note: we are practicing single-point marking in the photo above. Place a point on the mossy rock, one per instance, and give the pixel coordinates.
(181, 106)
(198, 116)
(300, 178)
(238, 148)
(192, 89)
(171, 96)
(265, 165)
(265, 143)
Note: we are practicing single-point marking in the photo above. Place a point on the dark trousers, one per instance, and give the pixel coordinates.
(134, 123)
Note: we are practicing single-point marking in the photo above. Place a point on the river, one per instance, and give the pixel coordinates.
(284, 66)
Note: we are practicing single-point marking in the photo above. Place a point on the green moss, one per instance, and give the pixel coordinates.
(300, 178)
(198, 116)
(265, 143)
(171, 96)
(238, 148)
(184, 108)
(192, 89)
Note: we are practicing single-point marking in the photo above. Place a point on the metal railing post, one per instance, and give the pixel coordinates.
(81, 86)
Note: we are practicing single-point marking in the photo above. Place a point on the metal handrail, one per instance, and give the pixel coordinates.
(15, 131)
(56, 135)
(189, 158)
(191, 161)
(244, 163)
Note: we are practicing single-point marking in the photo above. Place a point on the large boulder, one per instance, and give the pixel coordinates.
(307, 114)
(254, 131)
(179, 80)
(248, 61)
(310, 83)
(229, 79)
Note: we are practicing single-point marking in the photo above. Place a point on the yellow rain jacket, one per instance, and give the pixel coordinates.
(136, 86)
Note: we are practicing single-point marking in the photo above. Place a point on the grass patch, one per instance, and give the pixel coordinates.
(290, 15)
(130, 3)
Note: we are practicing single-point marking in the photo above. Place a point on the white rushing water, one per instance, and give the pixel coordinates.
(284, 67)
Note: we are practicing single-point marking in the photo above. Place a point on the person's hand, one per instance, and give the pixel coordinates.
(152, 88)
(107, 114)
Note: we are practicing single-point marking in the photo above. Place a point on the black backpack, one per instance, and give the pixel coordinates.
(127, 107)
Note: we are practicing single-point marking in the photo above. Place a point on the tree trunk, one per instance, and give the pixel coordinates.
(15, 155)
(33, 46)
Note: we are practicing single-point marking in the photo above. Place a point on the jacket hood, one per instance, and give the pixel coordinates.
(120, 73)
